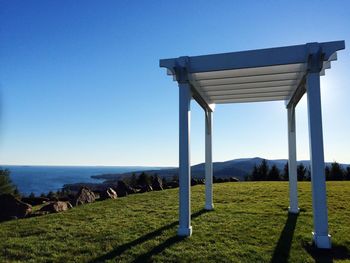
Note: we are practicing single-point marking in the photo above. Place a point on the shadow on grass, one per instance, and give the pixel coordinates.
(282, 249)
(147, 257)
(156, 250)
(337, 252)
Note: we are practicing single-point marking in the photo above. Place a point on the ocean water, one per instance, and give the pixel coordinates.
(42, 179)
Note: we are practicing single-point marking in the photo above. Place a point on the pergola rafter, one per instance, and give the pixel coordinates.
(274, 74)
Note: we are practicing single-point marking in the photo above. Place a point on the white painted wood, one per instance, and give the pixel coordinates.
(252, 85)
(326, 65)
(263, 68)
(208, 161)
(260, 58)
(250, 90)
(318, 180)
(185, 228)
(254, 76)
(292, 162)
(250, 72)
(222, 101)
(249, 79)
(198, 94)
(251, 95)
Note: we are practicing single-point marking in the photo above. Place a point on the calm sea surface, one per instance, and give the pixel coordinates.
(42, 179)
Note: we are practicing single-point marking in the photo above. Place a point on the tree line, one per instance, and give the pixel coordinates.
(260, 172)
(263, 172)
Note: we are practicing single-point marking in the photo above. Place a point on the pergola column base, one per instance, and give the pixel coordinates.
(323, 242)
(293, 210)
(184, 231)
(209, 207)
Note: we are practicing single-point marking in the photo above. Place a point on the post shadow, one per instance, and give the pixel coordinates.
(156, 250)
(338, 252)
(282, 249)
(146, 257)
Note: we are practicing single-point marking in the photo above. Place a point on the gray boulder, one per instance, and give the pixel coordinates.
(157, 183)
(56, 207)
(11, 208)
(84, 196)
(109, 193)
(200, 181)
(123, 189)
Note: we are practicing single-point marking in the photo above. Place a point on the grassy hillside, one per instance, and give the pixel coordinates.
(250, 223)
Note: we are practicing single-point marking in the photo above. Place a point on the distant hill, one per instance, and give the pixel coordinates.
(237, 168)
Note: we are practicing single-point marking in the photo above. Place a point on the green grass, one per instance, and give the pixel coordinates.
(250, 223)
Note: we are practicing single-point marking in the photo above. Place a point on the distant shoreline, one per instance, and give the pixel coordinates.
(43, 179)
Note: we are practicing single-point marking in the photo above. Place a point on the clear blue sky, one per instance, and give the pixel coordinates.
(80, 82)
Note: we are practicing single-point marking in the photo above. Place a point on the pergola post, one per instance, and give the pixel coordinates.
(185, 228)
(208, 161)
(319, 198)
(292, 162)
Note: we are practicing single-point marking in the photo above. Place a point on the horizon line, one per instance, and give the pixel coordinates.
(162, 166)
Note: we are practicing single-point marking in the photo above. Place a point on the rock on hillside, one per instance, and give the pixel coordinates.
(11, 208)
(84, 196)
(108, 193)
(56, 207)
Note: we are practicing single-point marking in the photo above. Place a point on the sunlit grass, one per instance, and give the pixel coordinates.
(250, 223)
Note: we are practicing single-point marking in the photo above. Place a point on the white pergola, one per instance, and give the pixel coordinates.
(274, 74)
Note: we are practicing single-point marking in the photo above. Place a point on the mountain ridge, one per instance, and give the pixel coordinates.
(238, 168)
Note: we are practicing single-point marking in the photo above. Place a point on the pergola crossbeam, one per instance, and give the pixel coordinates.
(248, 90)
(264, 84)
(250, 72)
(245, 100)
(272, 83)
(256, 95)
(250, 80)
(298, 94)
